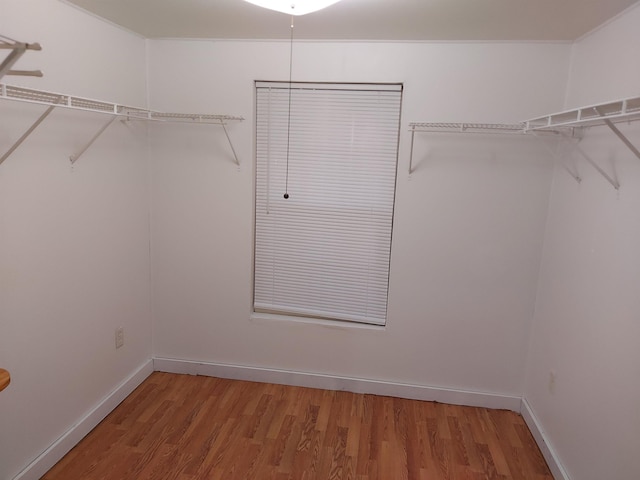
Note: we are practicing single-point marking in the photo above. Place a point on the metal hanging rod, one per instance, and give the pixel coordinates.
(17, 50)
(57, 100)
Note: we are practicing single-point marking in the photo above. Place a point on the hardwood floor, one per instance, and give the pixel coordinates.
(183, 427)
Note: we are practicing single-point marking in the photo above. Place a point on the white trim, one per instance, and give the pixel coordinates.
(261, 317)
(103, 19)
(541, 438)
(364, 40)
(333, 382)
(359, 86)
(77, 432)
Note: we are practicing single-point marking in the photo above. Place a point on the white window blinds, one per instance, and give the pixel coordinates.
(324, 252)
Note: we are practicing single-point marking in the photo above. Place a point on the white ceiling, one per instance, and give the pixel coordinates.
(544, 20)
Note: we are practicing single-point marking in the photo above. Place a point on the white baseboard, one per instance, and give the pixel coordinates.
(558, 471)
(71, 437)
(330, 382)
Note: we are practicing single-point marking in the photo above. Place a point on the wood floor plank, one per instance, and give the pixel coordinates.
(179, 427)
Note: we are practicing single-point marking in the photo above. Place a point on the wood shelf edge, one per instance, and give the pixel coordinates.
(5, 379)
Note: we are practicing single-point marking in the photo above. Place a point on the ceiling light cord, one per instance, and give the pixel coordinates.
(286, 187)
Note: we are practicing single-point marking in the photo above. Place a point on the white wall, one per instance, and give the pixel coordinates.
(586, 326)
(74, 261)
(605, 64)
(468, 224)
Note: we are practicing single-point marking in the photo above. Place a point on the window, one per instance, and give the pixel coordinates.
(324, 252)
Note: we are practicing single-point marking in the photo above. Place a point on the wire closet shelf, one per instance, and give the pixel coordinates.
(569, 123)
(58, 100)
(41, 97)
(618, 111)
(484, 128)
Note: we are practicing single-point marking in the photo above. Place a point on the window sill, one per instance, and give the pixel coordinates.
(257, 317)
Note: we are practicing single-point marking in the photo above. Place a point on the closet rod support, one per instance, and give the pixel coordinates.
(26, 134)
(235, 155)
(21, 46)
(619, 134)
(608, 178)
(413, 134)
(558, 159)
(10, 60)
(17, 49)
(26, 73)
(73, 158)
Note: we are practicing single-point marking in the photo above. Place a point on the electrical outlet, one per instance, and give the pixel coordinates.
(119, 337)
(552, 381)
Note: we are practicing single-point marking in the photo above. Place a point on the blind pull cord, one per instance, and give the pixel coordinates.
(286, 187)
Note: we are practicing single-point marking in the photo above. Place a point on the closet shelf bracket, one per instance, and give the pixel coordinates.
(609, 114)
(413, 135)
(235, 155)
(29, 131)
(222, 120)
(463, 128)
(559, 160)
(619, 134)
(73, 158)
(17, 50)
(613, 181)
